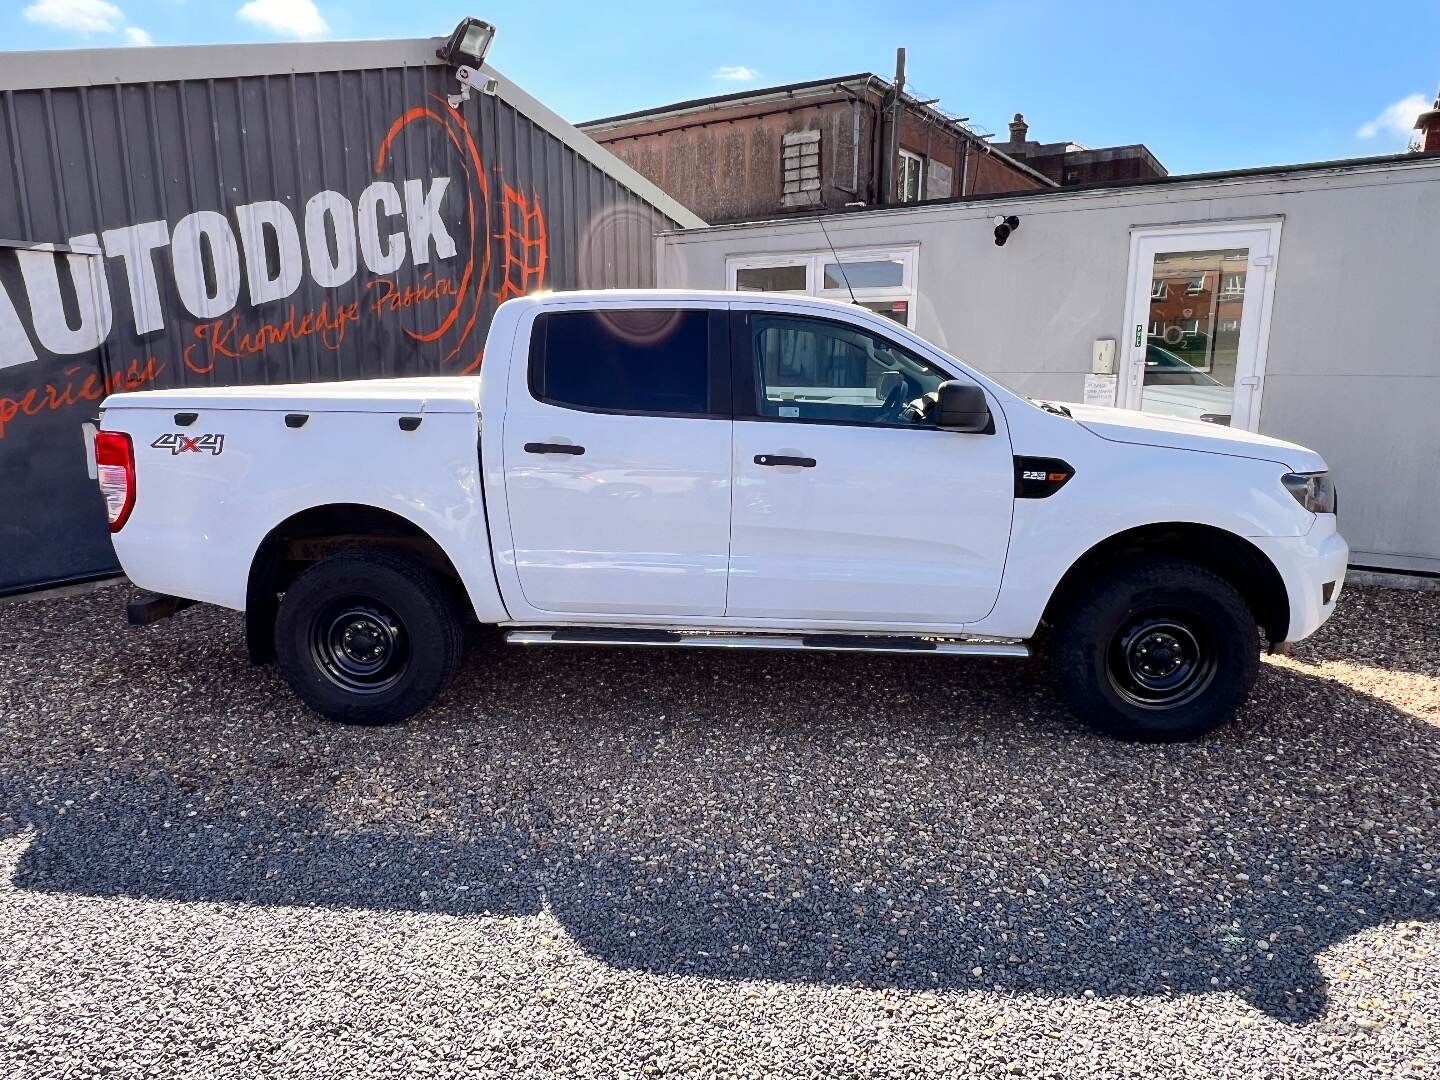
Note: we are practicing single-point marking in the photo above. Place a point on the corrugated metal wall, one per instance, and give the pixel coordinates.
(361, 282)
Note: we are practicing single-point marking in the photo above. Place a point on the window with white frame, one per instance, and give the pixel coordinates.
(1232, 287)
(1190, 327)
(1196, 287)
(881, 279)
(911, 181)
(1159, 290)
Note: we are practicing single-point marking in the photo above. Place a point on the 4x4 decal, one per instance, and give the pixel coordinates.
(190, 444)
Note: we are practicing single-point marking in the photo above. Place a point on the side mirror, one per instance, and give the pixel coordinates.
(961, 406)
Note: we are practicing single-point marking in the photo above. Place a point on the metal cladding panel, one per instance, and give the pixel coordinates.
(264, 228)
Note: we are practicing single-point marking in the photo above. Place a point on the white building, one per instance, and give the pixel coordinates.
(1302, 302)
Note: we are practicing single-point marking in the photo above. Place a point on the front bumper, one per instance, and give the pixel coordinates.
(1313, 569)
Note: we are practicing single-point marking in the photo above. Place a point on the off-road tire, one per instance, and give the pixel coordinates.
(1095, 650)
(384, 600)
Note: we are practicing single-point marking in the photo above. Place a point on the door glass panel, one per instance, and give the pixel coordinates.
(770, 279)
(869, 274)
(811, 369)
(630, 361)
(1196, 302)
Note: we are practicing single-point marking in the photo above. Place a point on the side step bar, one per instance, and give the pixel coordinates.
(702, 639)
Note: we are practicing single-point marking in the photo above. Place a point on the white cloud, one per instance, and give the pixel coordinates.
(136, 36)
(1398, 120)
(81, 16)
(735, 73)
(288, 18)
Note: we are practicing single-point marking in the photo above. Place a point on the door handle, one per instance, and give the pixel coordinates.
(553, 448)
(780, 459)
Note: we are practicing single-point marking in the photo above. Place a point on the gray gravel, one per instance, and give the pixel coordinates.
(614, 863)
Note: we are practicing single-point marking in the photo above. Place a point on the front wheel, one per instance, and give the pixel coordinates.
(367, 637)
(1159, 651)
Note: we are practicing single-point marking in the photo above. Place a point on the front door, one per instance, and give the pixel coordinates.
(1199, 316)
(844, 511)
(617, 463)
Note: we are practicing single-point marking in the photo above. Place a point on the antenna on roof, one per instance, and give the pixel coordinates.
(843, 275)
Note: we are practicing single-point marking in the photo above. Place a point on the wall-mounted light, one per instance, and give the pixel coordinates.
(469, 43)
(1004, 226)
(465, 50)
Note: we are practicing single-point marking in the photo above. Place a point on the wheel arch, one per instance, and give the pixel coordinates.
(317, 532)
(1225, 553)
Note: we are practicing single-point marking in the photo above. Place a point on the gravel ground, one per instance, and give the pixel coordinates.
(609, 863)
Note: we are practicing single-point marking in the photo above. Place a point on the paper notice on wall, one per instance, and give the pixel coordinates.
(1100, 389)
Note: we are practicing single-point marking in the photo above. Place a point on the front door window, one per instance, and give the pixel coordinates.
(1193, 344)
(814, 369)
(1199, 301)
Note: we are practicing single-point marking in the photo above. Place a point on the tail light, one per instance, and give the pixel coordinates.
(115, 466)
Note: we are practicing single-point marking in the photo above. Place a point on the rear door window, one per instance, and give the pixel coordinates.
(654, 362)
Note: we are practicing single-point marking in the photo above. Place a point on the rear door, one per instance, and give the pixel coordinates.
(844, 511)
(617, 464)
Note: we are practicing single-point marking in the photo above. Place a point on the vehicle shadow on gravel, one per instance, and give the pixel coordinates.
(873, 821)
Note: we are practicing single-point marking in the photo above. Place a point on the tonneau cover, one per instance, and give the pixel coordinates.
(424, 394)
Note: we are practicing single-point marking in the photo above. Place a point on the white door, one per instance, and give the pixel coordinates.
(617, 464)
(1198, 319)
(844, 511)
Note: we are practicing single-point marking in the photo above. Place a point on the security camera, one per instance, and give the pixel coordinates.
(470, 79)
(1004, 226)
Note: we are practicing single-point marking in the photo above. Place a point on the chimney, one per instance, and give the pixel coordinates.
(1018, 128)
(1428, 124)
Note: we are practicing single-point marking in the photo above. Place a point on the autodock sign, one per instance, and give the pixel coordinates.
(290, 227)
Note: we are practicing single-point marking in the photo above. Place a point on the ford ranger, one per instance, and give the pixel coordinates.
(721, 470)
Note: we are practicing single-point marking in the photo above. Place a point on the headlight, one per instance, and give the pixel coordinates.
(1315, 491)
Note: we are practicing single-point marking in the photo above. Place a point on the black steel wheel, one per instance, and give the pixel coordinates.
(360, 644)
(1157, 650)
(367, 637)
(1159, 660)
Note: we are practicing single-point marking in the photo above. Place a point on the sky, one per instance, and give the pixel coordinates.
(1214, 84)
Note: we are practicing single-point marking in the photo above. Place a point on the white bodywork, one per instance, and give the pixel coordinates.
(668, 522)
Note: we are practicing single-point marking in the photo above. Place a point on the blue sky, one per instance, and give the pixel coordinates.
(1207, 85)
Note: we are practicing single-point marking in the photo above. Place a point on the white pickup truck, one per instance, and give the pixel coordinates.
(721, 470)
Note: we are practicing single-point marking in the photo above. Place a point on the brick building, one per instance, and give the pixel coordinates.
(815, 145)
(1428, 124)
(1071, 164)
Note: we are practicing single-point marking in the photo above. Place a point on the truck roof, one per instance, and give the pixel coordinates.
(581, 297)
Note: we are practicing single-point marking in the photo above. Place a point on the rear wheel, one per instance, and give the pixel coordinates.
(1159, 651)
(367, 637)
